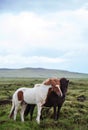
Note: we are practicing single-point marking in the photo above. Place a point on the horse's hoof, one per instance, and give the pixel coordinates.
(38, 121)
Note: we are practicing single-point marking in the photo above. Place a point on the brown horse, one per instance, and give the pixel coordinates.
(52, 100)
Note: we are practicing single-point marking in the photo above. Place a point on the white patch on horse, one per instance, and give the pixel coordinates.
(59, 90)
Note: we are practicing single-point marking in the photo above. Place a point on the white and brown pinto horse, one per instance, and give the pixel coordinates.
(36, 95)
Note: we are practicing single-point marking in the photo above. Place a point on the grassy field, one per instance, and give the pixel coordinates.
(73, 115)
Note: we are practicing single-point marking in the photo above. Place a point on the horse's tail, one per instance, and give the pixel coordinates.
(12, 109)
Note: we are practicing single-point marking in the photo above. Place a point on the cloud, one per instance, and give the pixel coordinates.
(36, 31)
(34, 61)
(28, 38)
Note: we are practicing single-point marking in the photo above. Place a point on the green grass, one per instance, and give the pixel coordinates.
(73, 114)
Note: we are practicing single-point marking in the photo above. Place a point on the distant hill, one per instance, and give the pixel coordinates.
(39, 73)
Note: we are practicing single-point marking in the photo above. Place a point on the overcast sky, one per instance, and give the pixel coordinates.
(44, 33)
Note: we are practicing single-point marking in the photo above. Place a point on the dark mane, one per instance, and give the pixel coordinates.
(64, 85)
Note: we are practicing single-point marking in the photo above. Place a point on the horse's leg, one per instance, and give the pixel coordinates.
(44, 112)
(39, 108)
(31, 111)
(15, 111)
(58, 112)
(22, 111)
(55, 113)
(41, 117)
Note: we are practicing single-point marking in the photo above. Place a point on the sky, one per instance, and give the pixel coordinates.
(49, 34)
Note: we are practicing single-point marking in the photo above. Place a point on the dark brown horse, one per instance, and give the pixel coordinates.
(53, 100)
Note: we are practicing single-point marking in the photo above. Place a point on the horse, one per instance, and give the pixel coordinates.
(52, 100)
(36, 95)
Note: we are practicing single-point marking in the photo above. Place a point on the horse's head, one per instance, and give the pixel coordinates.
(55, 83)
(64, 85)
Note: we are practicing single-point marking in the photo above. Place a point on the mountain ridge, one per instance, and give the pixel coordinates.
(39, 73)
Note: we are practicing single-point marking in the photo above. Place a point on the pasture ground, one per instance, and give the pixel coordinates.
(73, 114)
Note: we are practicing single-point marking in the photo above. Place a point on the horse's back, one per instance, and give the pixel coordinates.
(32, 95)
(36, 94)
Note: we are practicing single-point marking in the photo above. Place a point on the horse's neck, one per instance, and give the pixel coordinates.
(45, 87)
(43, 90)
